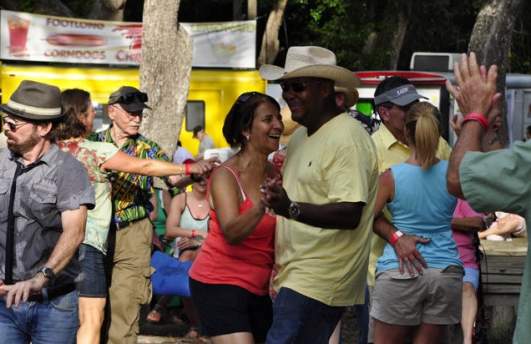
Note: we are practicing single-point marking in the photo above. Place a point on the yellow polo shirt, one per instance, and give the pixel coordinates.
(390, 152)
(335, 164)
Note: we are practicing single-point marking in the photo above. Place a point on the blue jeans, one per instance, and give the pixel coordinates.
(362, 316)
(50, 322)
(300, 319)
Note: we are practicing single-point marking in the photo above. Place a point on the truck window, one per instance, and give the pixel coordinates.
(194, 114)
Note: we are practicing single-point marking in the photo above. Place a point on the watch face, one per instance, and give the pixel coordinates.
(48, 273)
(294, 210)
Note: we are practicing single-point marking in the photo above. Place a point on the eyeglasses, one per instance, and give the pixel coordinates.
(14, 125)
(296, 86)
(244, 97)
(404, 108)
(137, 97)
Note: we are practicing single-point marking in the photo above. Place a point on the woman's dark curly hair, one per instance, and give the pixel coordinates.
(75, 104)
(241, 115)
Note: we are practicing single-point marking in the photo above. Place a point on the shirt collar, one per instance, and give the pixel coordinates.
(46, 158)
(130, 140)
(387, 137)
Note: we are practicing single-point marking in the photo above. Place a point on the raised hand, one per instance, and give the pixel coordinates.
(476, 86)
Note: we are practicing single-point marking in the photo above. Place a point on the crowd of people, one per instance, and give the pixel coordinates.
(345, 215)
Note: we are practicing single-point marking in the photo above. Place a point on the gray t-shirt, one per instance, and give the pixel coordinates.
(206, 143)
(55, 183)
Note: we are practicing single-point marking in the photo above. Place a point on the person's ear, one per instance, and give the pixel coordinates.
(247, 134)
(44, 129)
(340, 100)
(111, 112)
(384, 113)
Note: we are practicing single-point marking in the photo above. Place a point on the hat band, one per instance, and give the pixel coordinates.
(34, 110)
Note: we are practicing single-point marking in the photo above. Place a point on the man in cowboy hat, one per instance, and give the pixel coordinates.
(44, 195)
(325, 200)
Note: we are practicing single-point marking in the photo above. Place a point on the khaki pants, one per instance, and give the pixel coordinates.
(130, 282)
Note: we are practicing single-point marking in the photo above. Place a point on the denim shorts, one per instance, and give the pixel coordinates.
(92, 281)
(472, 277)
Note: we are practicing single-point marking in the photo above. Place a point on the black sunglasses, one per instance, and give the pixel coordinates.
(137, 97)
(295, 86)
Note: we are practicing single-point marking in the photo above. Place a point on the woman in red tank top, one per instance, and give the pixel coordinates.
(229, 280)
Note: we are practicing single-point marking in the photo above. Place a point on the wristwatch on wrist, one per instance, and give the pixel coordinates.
(47, 273)
(294, 210)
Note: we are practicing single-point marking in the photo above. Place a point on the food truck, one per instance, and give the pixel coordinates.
(101, 56)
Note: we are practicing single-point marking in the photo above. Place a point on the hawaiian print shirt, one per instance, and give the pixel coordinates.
(131, 193)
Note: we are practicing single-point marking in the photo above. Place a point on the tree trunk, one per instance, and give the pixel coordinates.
(491, 40)
(270, 42)
(164, 71)
(107, 10)
(398, 38)
(382, 48)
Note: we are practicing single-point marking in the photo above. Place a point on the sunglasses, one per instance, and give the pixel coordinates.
(404, 108)
(14, 125)
(138, 97)
(244, 97)
(295, 86)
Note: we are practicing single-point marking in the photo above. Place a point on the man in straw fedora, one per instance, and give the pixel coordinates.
(44, 196)
(325, 200)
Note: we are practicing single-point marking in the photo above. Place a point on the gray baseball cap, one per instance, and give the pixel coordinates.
(401, 96)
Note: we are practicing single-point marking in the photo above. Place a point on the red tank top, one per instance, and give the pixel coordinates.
(248, 264)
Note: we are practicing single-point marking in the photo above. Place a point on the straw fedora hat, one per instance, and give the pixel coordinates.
(34, 101)
(311, 61)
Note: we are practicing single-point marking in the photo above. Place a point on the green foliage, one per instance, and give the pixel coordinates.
(329, 23)
(26, 5)
(345, 25)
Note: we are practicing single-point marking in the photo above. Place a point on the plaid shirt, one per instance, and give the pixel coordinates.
(131, 193)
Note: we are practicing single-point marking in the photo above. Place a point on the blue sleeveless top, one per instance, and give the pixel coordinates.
(422, 206)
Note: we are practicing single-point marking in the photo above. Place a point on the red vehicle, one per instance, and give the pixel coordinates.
(428, 84)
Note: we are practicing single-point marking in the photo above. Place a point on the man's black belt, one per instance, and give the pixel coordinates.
(48, 294)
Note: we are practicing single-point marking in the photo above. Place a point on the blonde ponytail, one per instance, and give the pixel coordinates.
(422, 130)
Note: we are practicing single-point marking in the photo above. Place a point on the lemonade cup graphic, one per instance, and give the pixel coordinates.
(18, 35)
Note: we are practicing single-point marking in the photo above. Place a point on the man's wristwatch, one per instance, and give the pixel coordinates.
(294, 210)
(47, 273)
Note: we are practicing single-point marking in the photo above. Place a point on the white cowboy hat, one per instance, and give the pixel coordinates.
(314, 62)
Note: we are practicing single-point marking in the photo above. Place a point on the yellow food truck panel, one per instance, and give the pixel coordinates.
(211, 95)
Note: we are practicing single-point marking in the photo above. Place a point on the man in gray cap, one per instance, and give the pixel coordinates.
(131, 193)
(44, 196)
(392, 98)
(325, 201)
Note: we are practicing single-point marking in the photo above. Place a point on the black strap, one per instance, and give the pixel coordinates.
(10, 235)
